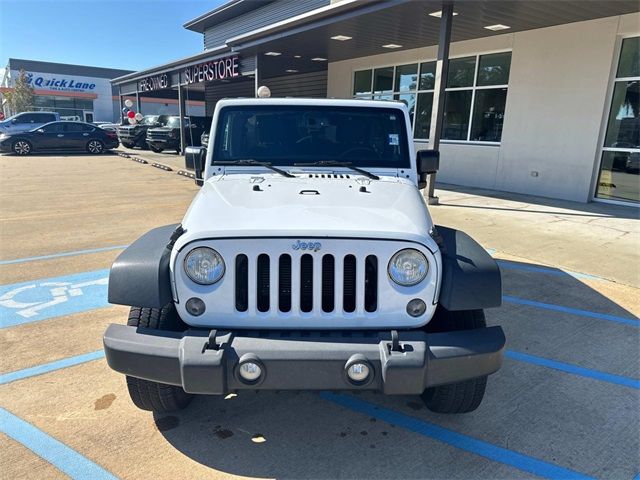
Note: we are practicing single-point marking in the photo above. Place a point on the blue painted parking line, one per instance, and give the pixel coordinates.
(50, 367)
(63, 254)
(52, 297)
(510, 265)
(517, 460)
(573, 311)
(53, 451)
(573, 369)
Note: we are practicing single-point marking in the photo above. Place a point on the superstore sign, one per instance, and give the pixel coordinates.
(220, 69)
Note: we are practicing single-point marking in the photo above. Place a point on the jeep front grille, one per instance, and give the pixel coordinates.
(310, 283)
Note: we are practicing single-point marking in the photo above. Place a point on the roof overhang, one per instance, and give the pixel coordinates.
(227, 11)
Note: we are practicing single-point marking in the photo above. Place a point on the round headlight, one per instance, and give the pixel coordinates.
(204, 266)
(408, 267)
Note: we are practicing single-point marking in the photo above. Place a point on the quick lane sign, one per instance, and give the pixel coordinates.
(220, 69)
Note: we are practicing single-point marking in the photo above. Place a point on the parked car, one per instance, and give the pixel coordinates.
(131, 136)
(167, 137)
(112, 127)
(308, 261)
(25, 121)
(59, 136)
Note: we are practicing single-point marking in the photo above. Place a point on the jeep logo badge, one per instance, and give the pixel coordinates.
(311, 246)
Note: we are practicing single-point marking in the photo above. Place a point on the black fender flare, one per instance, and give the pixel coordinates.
(140, 275)
(470, 276)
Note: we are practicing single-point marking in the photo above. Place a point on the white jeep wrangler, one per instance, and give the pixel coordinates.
(307, 261)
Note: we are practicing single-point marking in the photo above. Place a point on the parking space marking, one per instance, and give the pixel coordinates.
(50, 367)
(573, 311)
(53, 451)
(53, 297)
(62, 254)
(508, 457)
(573, 369)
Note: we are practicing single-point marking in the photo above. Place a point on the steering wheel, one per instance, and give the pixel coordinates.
(366, 150)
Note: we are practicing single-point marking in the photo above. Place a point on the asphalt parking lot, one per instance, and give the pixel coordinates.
(566, 403)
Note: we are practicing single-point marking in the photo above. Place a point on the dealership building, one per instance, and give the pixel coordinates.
(540, 98)
(77, 92)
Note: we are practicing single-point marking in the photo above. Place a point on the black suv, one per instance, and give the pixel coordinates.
(136, 135)
(167, 137)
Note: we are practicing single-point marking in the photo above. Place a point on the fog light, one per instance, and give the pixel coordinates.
(358, 372)
(195, 306)
(250, 372)
(416, 307)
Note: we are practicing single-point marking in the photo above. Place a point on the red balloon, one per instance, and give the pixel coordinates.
(131, 114)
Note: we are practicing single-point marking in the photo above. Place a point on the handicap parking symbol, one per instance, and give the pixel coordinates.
(53, 297)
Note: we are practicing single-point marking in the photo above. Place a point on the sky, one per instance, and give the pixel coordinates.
(126, 34)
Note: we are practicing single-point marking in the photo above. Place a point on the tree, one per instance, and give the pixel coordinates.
(20, 99)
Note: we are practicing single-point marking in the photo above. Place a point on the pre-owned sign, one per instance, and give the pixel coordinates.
(220, 69)
(157, 82)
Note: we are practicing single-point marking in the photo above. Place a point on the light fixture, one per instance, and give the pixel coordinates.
(291, 71)
(391, 45)
(273, 54)
(297, 56)
(438, 14)
(497, 26)
(318, 59)
(341, 38)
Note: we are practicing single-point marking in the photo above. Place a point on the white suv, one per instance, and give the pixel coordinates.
(307, 261)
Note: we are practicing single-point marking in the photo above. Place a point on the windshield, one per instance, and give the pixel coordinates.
(150, 120)
(287, 135)
(174, 122)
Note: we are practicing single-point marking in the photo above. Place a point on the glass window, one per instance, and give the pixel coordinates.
(409, 99)
(494, 69)
(286, 135)
(619, 176)
(461, 72)
(362, 82)
(78, 127)
(427, 76)
(406, 78)
(623, 130)
(457, 105)
(629, 65)
(383, 80)
(53, 128)
(488, 115)
(423, 115)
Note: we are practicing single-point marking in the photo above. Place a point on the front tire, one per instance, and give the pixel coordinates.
(154, 396)
(155, 149)
(95, 147)
(459, 397)
(21, 147)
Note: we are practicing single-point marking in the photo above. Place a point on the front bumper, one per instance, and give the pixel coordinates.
(303, 360)
(164, 143)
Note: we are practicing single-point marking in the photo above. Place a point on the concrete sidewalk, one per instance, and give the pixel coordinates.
(595, 238)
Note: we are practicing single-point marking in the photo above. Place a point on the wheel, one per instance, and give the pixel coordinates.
(95, 147)
(153, 396)
(459, 397)
(21, 147)
(128, 144)
(155, 149)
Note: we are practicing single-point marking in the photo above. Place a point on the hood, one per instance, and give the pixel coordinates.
(242, 205)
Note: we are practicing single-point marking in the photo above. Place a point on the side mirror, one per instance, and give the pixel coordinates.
(427, 163)
(194, 158)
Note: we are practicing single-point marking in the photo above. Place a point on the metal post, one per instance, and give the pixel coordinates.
(437, 110)
(121, 105)
(182, 111)
(256, 78)
(137, 101)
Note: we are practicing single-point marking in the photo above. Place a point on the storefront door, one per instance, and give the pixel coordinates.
(619, 176)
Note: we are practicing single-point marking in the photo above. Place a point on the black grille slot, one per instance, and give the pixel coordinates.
(262, 295)
(328, 283)
(371, 283)
(349, 297)
(284, 283)
(306, 283)
(242, 283)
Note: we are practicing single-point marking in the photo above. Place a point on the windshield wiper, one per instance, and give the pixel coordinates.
(249, 161)
(335, 163)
